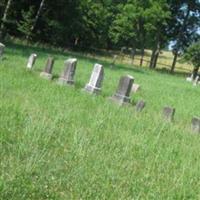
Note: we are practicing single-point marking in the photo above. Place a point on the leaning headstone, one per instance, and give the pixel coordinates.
(168, 113)
(31, 61)
(67, 77)
(135, 88)
(47, 73)
(95, 83)
(140, 106)
(2, 47)
(196, 124)
(122, 95)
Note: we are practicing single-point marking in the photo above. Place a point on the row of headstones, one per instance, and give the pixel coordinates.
(194, 80)
(122, 95)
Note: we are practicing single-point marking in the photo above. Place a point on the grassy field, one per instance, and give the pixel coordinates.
(61, 143)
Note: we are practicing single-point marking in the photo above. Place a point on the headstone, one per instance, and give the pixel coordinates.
(31, 61)
(196, 81)
(114, 61)
(67, 77)
(135, 87)
(122, 95)
(168, 113)
(94, 85)
(140, 106)
(2, 47)
(47, 73)
(190, 78)
(196, 124)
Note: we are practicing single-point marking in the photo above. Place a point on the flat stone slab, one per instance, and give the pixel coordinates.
(195, 124)
(135, 88)
(46, 75)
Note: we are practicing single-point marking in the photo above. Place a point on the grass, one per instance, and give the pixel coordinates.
(61, 143)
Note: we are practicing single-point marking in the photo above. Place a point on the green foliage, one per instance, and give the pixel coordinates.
(26, 23)
(192, 54)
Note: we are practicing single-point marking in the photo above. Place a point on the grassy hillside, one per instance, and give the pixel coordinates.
(61, 143)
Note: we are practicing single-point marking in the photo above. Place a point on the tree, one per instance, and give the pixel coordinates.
(183, 25)
(156, 16)
(3, 21)
(192, 56)
(25, 25)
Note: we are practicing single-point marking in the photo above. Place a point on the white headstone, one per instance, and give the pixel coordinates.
(2, 47)
(31, 61)
(95, 83)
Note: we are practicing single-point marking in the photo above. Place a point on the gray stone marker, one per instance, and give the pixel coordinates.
(168, 113)
(196, 80)
(67, 77)
(47, 73)
(95, 83)
(122, 95)
(31, 61)
(114, 61)
(196, 124)
(140, 106)
(2, 47)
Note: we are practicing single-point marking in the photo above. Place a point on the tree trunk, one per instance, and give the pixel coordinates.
(142, 56)
(174, 61)
(36, 18)
(4, 19)
(152, 58)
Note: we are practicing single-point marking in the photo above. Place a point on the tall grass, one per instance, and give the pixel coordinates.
(61, 143)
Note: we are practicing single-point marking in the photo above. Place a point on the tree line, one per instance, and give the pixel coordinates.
(109, 24)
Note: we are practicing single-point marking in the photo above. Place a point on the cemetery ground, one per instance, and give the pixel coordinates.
(58, 142)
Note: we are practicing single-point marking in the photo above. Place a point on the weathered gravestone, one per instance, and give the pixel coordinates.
(67, 77)
(140, 106)
(2, 47)
(114, 61)
(122, 95)
(196, 124)
(190, 78)
(31, 61)
(47, 73)
(168, 113)
(95, 83)
(196, 80)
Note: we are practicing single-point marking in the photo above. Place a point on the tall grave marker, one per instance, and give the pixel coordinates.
(67, 77)
(96, 79)
(31, 61)
(122, 95)
(47, 73)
